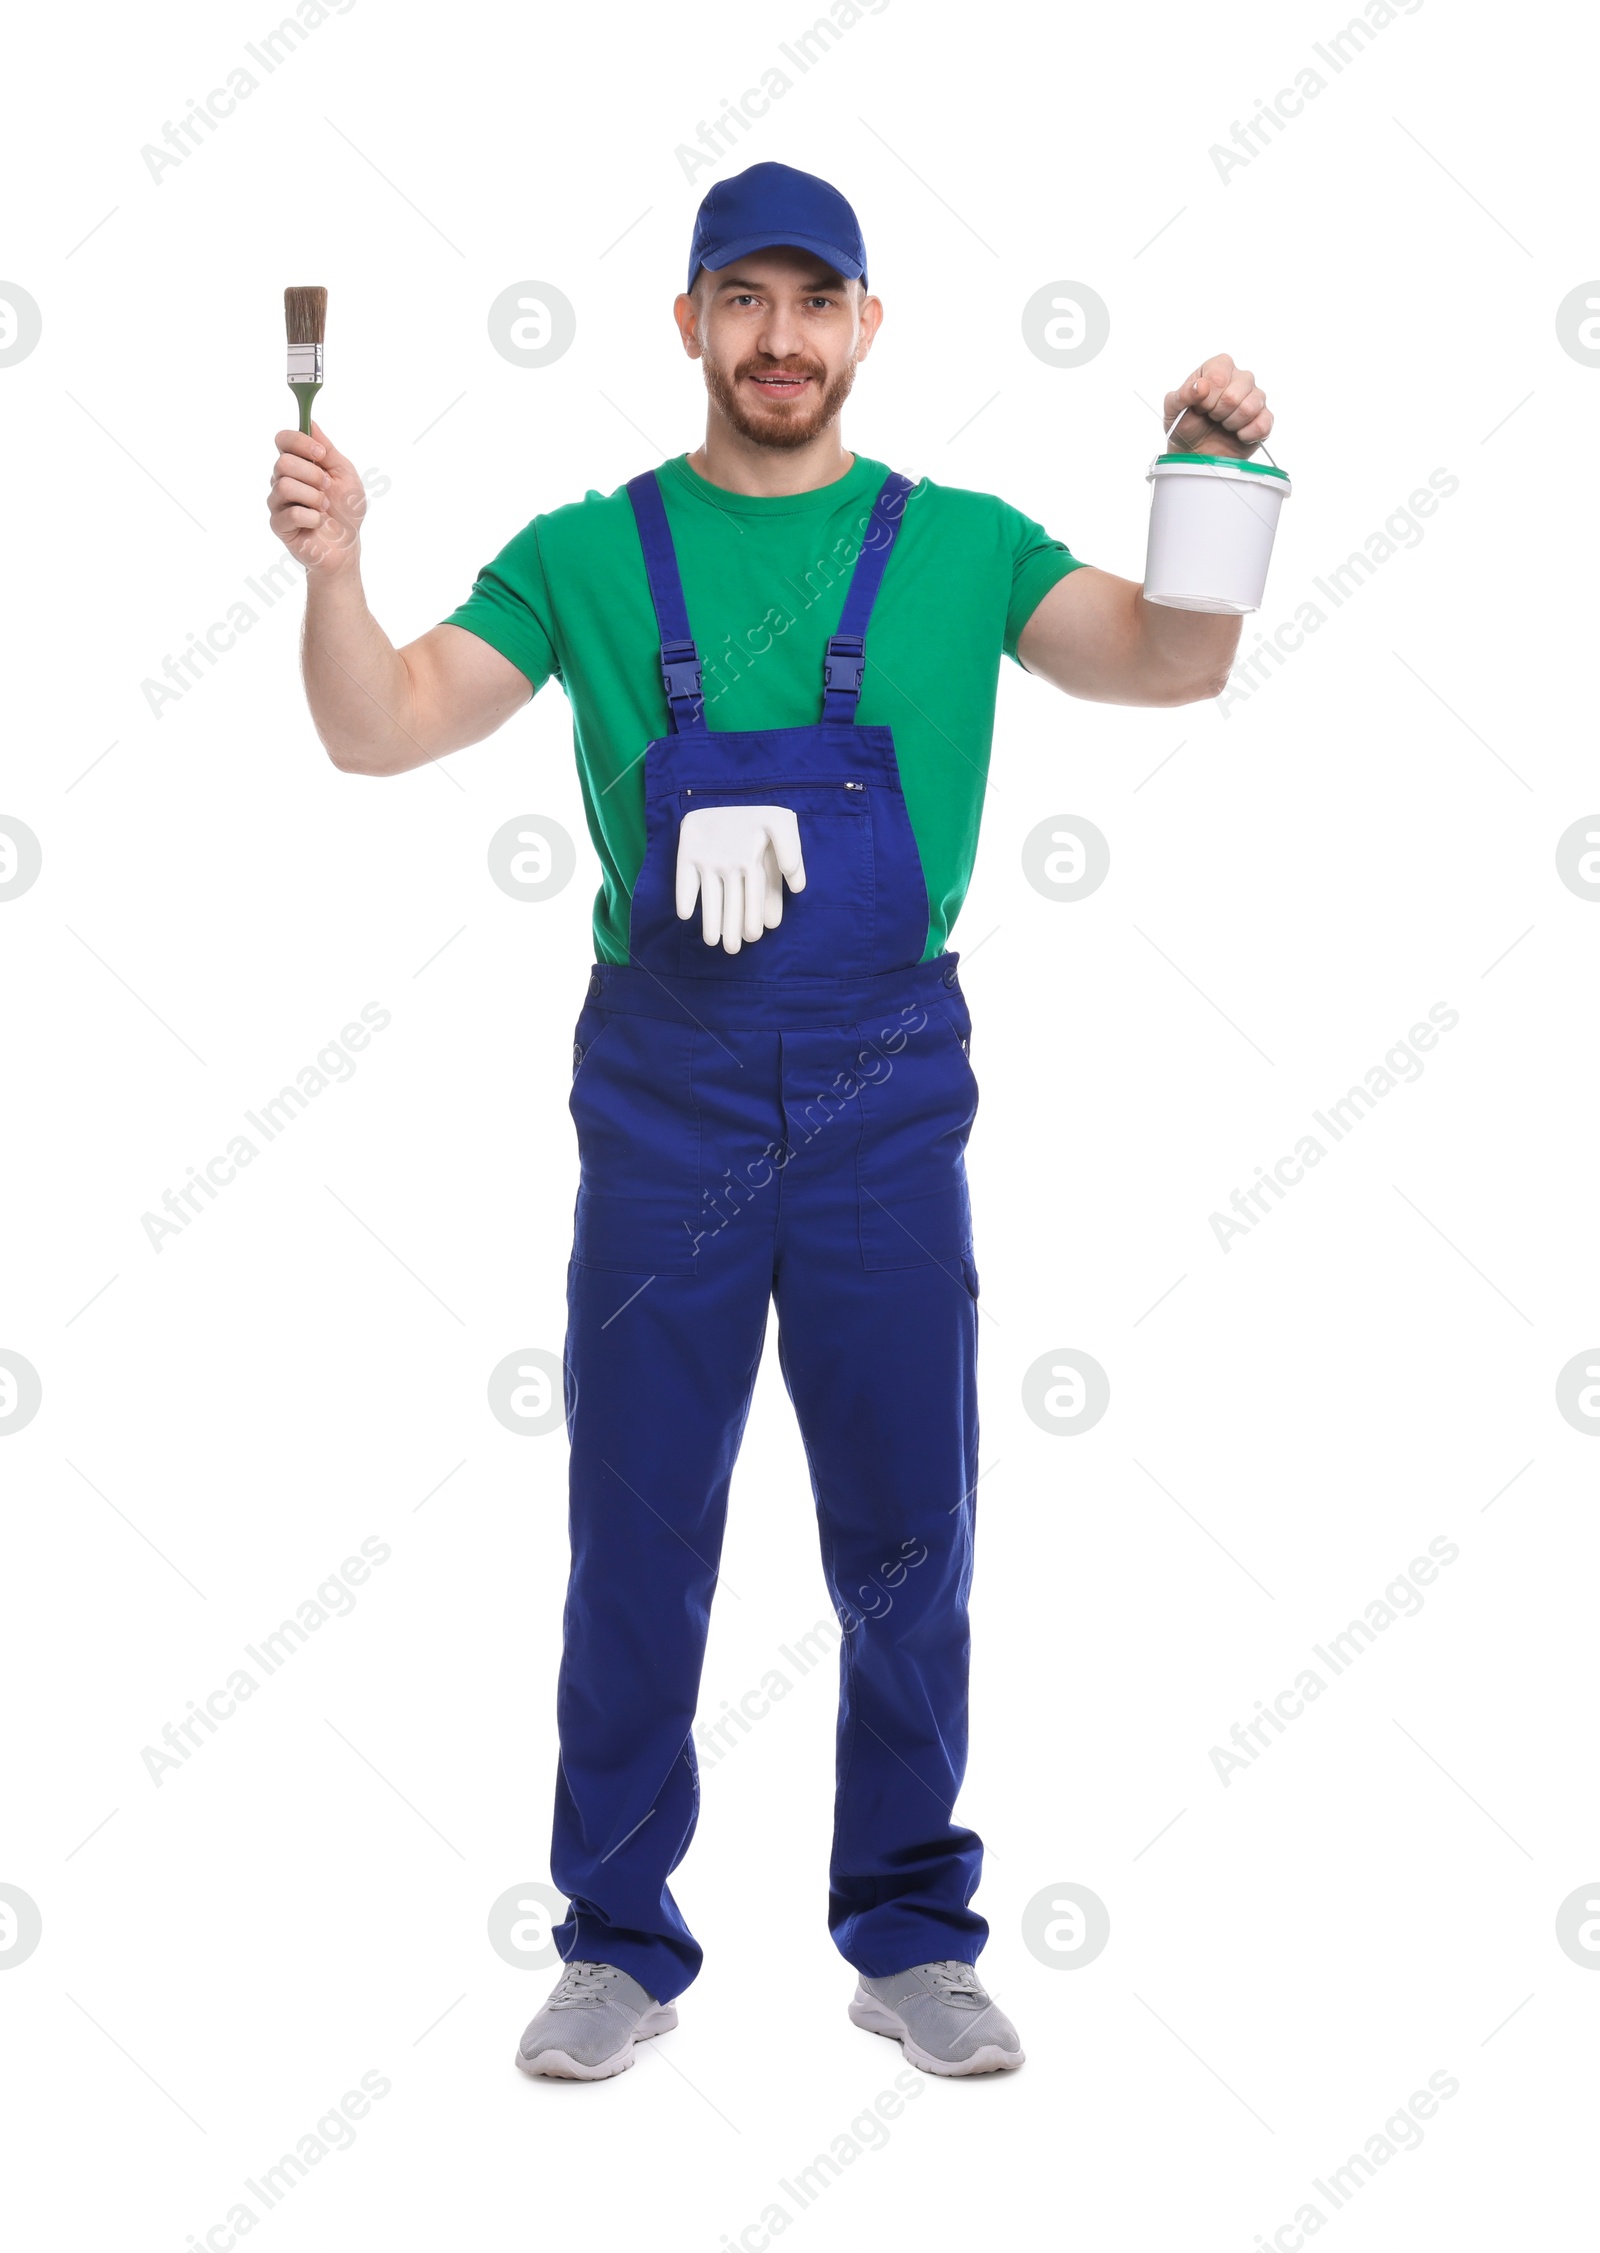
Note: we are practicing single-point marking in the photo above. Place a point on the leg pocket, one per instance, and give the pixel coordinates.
(916, 1114)
(638, 1145)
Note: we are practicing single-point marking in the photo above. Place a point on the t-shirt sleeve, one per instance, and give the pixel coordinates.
(1037, 562)
(509, 608)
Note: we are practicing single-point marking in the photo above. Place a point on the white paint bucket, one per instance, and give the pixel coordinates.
(1212, 522)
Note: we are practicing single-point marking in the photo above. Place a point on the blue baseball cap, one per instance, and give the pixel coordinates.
(769, 205)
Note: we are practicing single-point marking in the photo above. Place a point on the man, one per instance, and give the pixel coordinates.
(782, 662)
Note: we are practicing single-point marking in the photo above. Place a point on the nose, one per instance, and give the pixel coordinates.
(780, 334)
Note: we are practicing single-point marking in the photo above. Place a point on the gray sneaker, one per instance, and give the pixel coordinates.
(587, 2028)
(942, 2019)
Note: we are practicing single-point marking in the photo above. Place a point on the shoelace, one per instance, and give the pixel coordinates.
(956, 1983)
(582, 1983)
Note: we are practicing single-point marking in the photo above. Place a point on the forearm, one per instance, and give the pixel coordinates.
(1185, 653)
(357, 683)
(1094, 635)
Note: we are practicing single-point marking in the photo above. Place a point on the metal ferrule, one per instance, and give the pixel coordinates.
(305, 363)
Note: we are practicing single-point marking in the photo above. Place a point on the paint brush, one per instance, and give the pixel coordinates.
(305, 316)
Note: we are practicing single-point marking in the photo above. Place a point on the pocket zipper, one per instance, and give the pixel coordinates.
(735, 793)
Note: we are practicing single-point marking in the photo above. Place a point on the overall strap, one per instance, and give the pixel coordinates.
(680, 660)
(846, 660)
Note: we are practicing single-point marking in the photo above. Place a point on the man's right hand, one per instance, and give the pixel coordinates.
(316, 502)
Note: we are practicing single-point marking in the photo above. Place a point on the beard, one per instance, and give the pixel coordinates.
(776, 423)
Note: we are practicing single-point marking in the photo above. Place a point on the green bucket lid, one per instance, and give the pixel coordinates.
(1231, 461)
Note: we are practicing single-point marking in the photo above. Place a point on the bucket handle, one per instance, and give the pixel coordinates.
(1178, 417)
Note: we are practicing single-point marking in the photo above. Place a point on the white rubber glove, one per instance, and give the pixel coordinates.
(735, 860)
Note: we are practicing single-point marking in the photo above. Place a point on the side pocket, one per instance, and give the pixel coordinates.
(959, 1025)
(913, 1205)
(592, 1023)
(638, 1145)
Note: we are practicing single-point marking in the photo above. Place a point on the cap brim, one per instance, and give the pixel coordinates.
(839, 260)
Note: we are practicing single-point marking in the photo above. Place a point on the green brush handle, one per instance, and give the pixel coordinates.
(305, 393)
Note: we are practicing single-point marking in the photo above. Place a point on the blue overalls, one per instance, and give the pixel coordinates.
(789, 1123)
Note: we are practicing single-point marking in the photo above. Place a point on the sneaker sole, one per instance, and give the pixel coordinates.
(878, 2018)
(555, 2065)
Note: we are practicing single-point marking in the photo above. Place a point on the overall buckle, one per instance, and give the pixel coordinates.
(845, 664)
(680, 671)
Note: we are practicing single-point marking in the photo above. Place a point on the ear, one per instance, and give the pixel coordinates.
(871, 316)
(686, 314)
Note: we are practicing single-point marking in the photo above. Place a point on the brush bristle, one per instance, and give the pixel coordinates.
(305, 315)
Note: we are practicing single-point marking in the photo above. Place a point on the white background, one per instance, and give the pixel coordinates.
(1374, 1900)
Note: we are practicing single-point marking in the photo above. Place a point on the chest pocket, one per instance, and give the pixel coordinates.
(829, 929)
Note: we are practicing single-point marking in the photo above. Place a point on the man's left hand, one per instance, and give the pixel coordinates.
(1225, 410)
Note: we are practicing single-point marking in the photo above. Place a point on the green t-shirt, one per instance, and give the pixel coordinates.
(764, 580)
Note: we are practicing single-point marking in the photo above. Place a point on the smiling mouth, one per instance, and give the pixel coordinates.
(779, 386)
